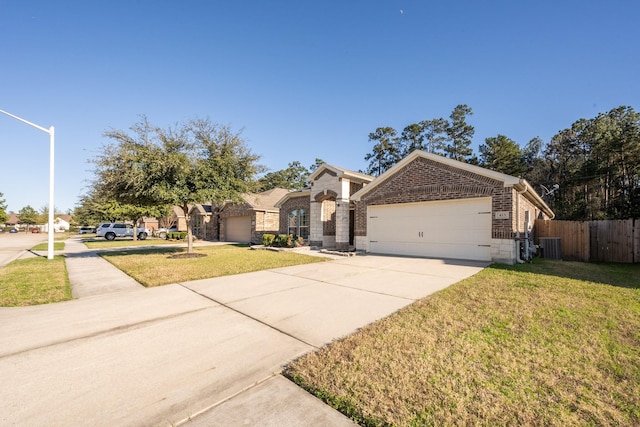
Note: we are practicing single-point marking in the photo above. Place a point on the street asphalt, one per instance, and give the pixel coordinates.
(201, 353)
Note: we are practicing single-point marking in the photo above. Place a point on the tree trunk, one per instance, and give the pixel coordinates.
(187, 218)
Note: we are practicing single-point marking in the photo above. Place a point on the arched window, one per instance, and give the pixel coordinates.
(299, 223)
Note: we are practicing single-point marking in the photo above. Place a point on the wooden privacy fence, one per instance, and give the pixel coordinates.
(597, 241)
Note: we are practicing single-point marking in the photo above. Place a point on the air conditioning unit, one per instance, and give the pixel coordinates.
(551, 247)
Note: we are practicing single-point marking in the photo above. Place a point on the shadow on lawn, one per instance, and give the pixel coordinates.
(614, 274)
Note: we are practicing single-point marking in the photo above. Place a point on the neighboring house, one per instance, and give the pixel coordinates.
(61, 223)
(13, 220)
(177, 219)
(426, 205)
(149, 223)
(248, 220)
(204, 221)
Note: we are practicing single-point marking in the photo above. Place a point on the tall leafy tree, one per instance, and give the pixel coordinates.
(387, 150)
(459, 134)
(412, 138)
(316, 164)
(3, 210)
(596, 164)
(194, 162)
(29, 216)
(434, 132)
(292, 178)
(502, 154)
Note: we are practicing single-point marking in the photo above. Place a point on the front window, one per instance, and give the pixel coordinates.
(299, 223)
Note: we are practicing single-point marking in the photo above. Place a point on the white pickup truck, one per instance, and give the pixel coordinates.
(111, 230)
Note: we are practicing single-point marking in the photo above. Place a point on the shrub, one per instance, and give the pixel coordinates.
(176, 235)
(267, 239)
(281, 240)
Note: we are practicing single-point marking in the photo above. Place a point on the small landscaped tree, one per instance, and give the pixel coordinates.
(3, 210)
(28, 216)
(194, 162)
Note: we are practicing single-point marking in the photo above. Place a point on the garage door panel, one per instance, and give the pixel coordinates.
(451, 229)
(238, 229)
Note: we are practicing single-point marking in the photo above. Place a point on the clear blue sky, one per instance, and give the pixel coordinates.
(304, 79)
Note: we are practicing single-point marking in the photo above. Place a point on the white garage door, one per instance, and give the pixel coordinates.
(443, 229)
(238, 229)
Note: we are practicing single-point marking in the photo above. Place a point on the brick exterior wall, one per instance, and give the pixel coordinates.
(425, 180)
(294, 203)
(262, 222)
(235, 209)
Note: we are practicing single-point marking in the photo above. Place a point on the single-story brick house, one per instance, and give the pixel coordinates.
(248, 220)
(204, 221)
(426, 205)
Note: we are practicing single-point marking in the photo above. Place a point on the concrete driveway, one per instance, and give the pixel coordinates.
(206, 352)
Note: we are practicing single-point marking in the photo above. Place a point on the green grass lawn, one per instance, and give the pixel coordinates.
(547, 343)
(154, 267)
(57, 246)
(34, 281)
(102, 243)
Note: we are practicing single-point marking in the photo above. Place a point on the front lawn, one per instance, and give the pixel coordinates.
(57, 246)
(548, 343)
(102, 243)
(34, 281)
(155, 267)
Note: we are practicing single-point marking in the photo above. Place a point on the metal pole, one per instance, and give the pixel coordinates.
(51, 205)
(51, 132)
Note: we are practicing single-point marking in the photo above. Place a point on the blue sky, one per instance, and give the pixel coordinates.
(302, 79)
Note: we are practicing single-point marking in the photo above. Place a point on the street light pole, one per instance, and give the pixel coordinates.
(51, 132)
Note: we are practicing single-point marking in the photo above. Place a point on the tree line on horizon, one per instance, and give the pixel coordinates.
(595, 163)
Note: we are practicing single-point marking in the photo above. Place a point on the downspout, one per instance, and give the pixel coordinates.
(518, 194)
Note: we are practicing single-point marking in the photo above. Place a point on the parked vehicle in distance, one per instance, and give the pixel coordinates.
(13, 230)
(162, 232)
(35, 230)
(87, 230)
(111, 230)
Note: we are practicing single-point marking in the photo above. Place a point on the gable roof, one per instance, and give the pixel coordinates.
(509, 181)
(339, 172)
(265, 201)
(202, 209)
(300, 193)
(64, 217)
(13, 219)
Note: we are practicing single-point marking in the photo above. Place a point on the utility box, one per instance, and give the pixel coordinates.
(551, 247)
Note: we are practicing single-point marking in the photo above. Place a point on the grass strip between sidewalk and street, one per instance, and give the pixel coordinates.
(155, 267)
(547, 343)
(34, 281)
(57, 246)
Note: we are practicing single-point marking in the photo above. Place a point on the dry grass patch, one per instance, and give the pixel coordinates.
(550, 343)
(155, 267)
(34, 281)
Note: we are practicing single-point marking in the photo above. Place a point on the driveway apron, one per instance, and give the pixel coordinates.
(206, 352)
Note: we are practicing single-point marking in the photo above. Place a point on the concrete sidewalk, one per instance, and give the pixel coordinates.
(206, 352)
(90, 274)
